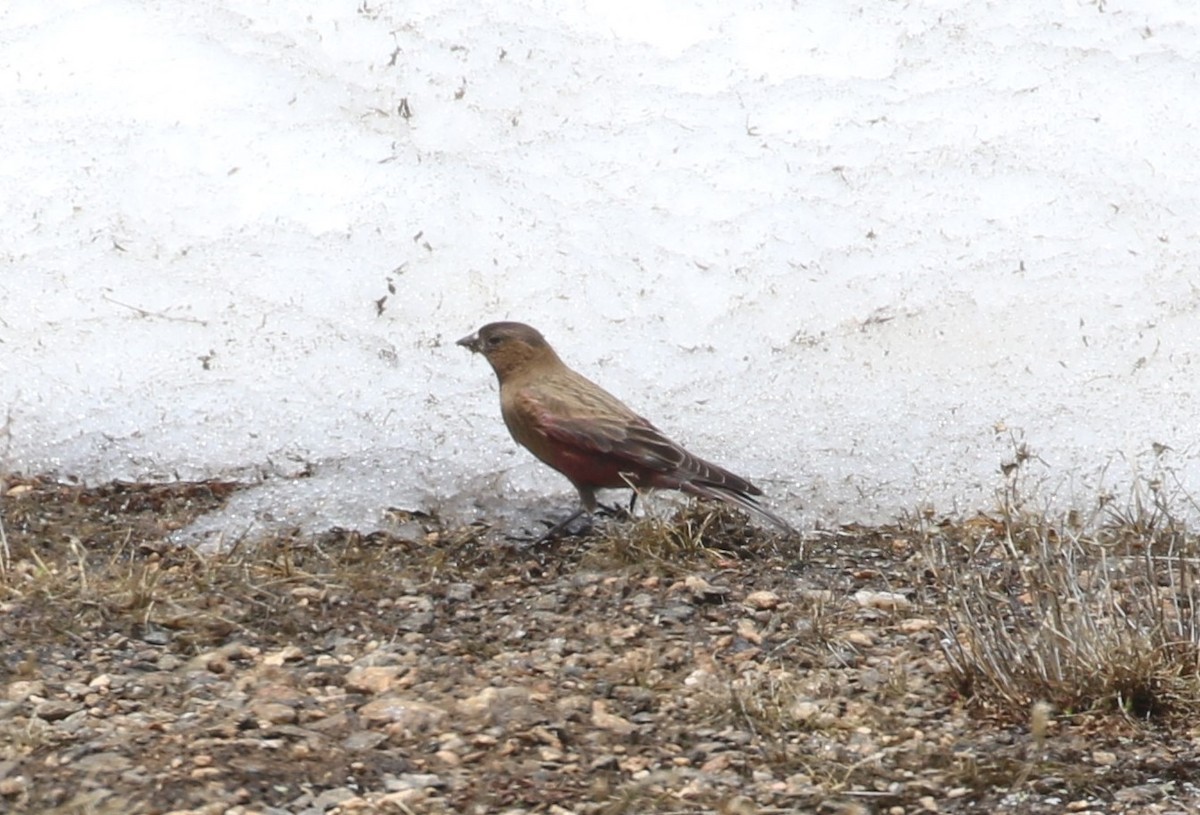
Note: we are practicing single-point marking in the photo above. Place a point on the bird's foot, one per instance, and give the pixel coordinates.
(615, 511)
(563, 528)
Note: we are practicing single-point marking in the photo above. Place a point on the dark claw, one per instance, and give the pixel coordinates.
(562, 526)
(615, 511)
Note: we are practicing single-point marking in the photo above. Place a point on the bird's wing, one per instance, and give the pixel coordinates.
(581, 414)
(599, 425)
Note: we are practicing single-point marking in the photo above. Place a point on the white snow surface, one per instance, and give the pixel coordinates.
(858, 252)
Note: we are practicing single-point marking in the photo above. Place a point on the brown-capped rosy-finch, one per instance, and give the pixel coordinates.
(589, 435)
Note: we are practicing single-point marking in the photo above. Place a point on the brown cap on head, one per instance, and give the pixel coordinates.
(510, 347)
(493, 334)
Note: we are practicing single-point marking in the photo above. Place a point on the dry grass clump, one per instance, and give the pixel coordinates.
(1039, 611)
(694, 533)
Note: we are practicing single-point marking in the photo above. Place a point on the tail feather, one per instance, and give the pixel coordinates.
(737, 498)
(712, 475)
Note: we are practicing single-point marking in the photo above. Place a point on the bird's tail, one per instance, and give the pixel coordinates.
(736, 498)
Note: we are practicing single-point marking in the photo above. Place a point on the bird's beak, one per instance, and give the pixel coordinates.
(470, 342)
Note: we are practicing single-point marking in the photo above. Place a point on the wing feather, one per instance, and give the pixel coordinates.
(576, 412)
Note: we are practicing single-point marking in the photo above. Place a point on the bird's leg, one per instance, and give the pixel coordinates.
(628, 478)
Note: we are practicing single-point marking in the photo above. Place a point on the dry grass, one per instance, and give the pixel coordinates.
(1078, 622)
(694, 535)
(1102, 616)
(82, 560)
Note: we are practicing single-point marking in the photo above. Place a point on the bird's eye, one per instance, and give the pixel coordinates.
(492, 341)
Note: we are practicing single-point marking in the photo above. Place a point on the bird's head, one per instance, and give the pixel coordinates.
(510, 347)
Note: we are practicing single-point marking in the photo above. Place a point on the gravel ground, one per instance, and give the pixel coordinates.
(687, 665)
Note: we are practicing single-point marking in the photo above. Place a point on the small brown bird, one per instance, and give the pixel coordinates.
(589, 435)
